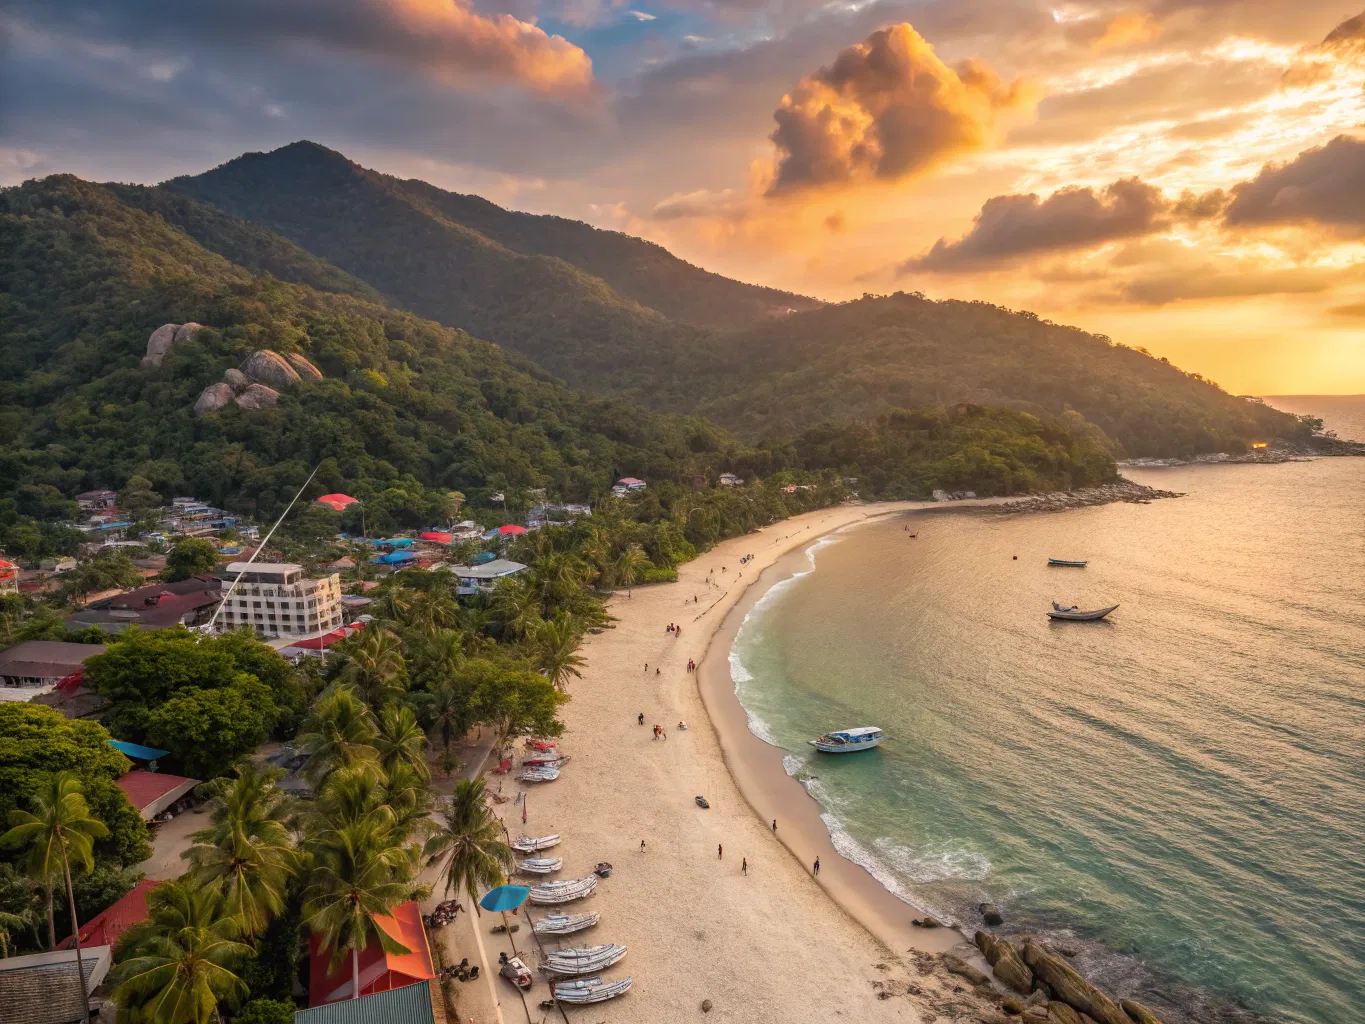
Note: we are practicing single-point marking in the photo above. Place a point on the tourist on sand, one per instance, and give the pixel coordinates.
(646, 666)
(744, 867)
(662, 734)
(642, 850)
(817, 859)
(641, 716)
(682, 726)
(774, 826)
(657, 671)
(720, 851)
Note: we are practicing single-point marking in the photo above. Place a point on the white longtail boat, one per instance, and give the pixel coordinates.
(589, 990)
(849, 741)
(1070, 613)
(545, 774)
(566, 924)
(527, 844)
(1069, 563)
(540, 865)
(565, 891)
(583, 959)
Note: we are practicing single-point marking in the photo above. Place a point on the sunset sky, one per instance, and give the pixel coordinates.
(1182, 175)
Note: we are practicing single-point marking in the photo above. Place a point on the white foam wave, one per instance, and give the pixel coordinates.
(925, 866)
(791, 763)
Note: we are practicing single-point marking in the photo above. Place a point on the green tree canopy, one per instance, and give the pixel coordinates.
(192, 556)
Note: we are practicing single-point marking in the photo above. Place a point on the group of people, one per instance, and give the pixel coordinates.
(691, 665)
(674, 629)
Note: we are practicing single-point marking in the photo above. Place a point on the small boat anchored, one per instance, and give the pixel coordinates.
(849, 741)
(1070, 613)
(589, 990)
(565, 924)
(1069, 563)
(564, 891)
(540, 865)
(529, 844)
(582, 960)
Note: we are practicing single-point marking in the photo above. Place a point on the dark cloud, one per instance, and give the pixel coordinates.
(1210, 281)
(887, 108)
(1324, 185)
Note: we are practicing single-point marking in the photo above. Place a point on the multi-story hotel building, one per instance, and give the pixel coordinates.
(275, 599)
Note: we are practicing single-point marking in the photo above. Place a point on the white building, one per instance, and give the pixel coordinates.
(275, 599)
(479, 579)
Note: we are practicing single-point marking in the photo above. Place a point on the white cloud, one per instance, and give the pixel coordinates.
(640, 15)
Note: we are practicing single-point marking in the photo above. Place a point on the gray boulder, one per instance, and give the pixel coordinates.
(236, 379)
(1068, 985)
(1005, 960)
(212, 398)
(271, 368)
(185, 331)
(956, 965)
(990, 913)
(159, 344)
(306, 370)
(257, 396)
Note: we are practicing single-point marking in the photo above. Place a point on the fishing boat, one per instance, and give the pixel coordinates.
(589, 990)
(540, 865)
(541, 760)
(565, 924)
(1069, 562)
(527, 844)
(583, 959)
(849, 741)
(547, 773)
(564, 891)
(1070, 613)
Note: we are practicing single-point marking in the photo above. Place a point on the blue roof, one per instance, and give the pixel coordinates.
(395, 558)
(138, 751)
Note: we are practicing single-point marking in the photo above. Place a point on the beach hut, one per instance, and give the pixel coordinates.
(337, 502)
(379, 971)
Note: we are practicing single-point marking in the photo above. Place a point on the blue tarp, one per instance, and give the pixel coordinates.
(504, 897)
(483, 556)
(395, 558)
(138, 751)
(393, 542)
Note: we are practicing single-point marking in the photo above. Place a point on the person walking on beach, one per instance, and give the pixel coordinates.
(642, 849)
(817, 860)
(774, 826)
(720, 852)
(642, 721)
(744, 867)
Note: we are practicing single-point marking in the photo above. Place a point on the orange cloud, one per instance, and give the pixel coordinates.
(1127, 29)
(888, 108)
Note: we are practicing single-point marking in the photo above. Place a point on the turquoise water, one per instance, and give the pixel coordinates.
(1179, 792)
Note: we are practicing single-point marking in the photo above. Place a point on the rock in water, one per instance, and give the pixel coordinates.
(159, 344)
(306, 370)
(1060, 1013)
(212, 398)
(1139, 1013)
(990, 913)
(185, 331)
(927, 922)
(236, 379)
(258, 396)
(1071, 988)
(270, 368)
(1009, 966)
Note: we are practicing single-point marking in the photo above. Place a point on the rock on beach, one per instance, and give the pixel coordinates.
(1069, 987)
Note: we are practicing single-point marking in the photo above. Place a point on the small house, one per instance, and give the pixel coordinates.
(730, 480)
(379, 971)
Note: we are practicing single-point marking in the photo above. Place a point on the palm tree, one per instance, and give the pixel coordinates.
(470, 839)
(375, 666)
(444, 654)
(629, 566)
(360, 871)
(62, 829)
(518, 606)
(340, 732)
(448, 710)
(10, 923)
(392, 605)
(182, 956)
(431, 612)
(557, 644)
(401, 741)
(247, 848)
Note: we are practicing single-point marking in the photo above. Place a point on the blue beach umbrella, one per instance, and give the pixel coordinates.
(504, 897)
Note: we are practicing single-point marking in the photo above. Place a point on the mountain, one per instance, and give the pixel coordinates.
(612, 314)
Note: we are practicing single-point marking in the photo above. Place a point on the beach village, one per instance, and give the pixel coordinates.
(482, 772)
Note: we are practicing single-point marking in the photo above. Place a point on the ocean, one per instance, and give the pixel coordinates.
(1179, 792)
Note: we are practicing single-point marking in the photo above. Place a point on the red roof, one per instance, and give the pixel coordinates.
(104, 928)
(511, 530)
(146, 788)
(436, 536)
(337, 502)
(379, 971)
(317, 643)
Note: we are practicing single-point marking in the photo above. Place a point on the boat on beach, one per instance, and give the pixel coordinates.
(849, 741)
(546, 773)
(583, 959)
(589, 990)
(564, 891)
(1070, 613)
(529, 844)
(1069, 562)
(540, 865)
(565, 924)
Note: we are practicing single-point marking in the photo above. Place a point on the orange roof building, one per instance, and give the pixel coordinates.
(379, 971)
(104, 928)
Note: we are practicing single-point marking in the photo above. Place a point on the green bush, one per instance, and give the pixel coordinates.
(265, 1011)
(655, 574)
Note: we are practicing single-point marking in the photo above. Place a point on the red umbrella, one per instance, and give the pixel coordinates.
(511, 530)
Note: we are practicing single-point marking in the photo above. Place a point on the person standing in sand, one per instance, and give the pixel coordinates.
(720, 852)
(774, 826)
(817, 861)
(642, 849)
(744, 867)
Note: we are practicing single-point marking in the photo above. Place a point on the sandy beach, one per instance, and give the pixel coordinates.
(774, 945)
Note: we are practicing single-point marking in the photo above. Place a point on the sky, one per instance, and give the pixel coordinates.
(1186, 176)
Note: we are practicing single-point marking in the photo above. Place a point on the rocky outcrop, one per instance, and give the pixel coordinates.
(185, 331)
(270, 368)
(1060, 1013)
(990, 914)
(1005, 960)
(257, 396)
(1069, 987)
(236, 379)
(306, 370)
(159, 344)
(1139, 1013)
(1060, 501)
(213, 398)
(956, 965)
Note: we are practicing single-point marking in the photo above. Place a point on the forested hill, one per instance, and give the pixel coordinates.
(862, 359)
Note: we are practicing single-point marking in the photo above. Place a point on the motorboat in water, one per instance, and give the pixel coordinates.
(849, 741)
(1069, 563)
(1071, 613)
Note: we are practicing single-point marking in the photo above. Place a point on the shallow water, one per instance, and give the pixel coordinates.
(1179, 791)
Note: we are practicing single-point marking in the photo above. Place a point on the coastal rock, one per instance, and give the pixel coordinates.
(1066, 982)
(159, 344)
(1038, 998)
(1139, 1013)
(706, 1005)
(1005, 960)
(270, 368)
(956, 965)
(990, 913)
(1038, 1013)
(1010, 1004)
(212, 398)
(1060, 1013)
(927, 922)
(306, 370)
(258, 396)
(185, 331)
(236, 379)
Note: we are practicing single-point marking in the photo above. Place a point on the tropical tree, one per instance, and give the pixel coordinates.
(360, 872)
(629, 566)
(557, 644)
(247, 848)
(469, 840)
(431, 612)
(10, 923)
(375, 666)
(178, 965)
(517, 605)
(447, 710)
(392, 604)
(442, 656)
(60, 830)
(401, 740)
(340, 732)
